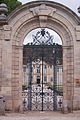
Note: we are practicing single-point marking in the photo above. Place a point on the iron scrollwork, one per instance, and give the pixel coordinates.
(43, 95)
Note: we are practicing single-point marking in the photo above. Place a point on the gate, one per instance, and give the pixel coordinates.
(42, 74)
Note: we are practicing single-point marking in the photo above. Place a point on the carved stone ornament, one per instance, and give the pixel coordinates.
(43, 10)
(3, 11)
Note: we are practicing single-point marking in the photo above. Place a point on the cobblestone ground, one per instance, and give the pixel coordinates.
(41, 116)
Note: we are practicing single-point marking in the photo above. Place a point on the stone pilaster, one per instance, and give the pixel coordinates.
(17, 78)
(6, 89)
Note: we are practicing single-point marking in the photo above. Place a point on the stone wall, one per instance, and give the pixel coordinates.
(76, 101)
(26, 18)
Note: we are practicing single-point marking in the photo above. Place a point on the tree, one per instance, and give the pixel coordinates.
(12, 4)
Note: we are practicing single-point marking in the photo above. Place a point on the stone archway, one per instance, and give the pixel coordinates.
(26, 18)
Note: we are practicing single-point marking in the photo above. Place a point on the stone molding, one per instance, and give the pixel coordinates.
(43, 10)
(7, 32)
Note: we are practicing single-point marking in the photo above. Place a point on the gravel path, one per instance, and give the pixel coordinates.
(41, 116)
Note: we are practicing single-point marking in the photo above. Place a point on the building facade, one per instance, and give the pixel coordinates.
(48, 74)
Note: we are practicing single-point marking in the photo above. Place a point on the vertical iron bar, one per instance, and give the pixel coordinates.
(53, 75)
(55, 82)
(30, 86)
(42, 76)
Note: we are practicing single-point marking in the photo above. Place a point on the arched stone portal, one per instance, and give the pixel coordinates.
(24, 19)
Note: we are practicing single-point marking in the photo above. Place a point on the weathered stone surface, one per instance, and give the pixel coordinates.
(20, 23)
(2, 105)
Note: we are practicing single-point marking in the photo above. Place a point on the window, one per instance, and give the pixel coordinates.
(24, 69)
(51, 79)
(51, 66)
(27, 66)
(38, 79)
(38, 70)
(45, 79)
(45, 66)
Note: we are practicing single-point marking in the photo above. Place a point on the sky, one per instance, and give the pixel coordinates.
(56, 37)
(72, 4)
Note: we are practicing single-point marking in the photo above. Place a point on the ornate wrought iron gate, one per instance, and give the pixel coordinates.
(42, 69)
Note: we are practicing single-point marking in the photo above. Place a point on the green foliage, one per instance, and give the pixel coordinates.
(12, 4)
(49, 84)
(60, 88)
(23, 87)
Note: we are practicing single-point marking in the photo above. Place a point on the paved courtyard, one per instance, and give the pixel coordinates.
(42, 116)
